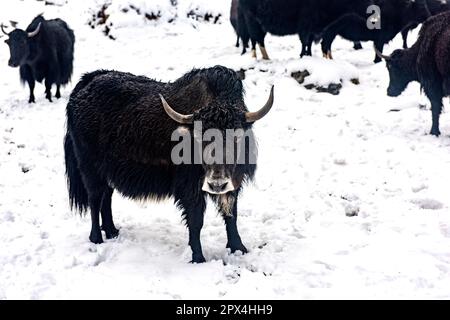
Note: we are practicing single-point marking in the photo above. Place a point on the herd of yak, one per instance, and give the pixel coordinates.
(120, 126)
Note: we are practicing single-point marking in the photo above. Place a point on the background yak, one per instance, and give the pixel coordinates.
(395, 16)
(44, 51)
(119, 138)
(307, 18)
(435, 7)
(426, 62)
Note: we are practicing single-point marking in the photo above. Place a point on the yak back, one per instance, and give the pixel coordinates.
(285, 17)
(116, 115)
(118, 125)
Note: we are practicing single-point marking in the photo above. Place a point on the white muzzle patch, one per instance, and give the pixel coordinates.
(218, 186)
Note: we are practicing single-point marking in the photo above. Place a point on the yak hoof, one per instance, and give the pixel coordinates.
(198, 258)
(435, 132)
(96, 237)
(239, 247)
(254, 54)
(357, 46)
(329, 55)
(111, 233)
(58, 95)
(31, 100)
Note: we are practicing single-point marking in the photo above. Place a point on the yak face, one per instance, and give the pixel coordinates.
(19, 47)
(222, 141)
(227, 142)
(416, 11)
(398, 73)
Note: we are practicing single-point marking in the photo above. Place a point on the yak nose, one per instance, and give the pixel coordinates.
(218, 187)
(12, 64)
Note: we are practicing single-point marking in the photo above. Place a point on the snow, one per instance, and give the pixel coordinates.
(350, 200)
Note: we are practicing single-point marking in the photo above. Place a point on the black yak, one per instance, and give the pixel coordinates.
(427, 62)
(119, 130)
(395, 15)
(435, 7)
(43, 51)
(307, 18)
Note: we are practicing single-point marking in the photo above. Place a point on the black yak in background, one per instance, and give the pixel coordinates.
(44, 50)
(435, 7)
(118, 137)
(395, 16)
(307, 18)
(427, 62)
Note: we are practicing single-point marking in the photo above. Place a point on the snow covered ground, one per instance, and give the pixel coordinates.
(350, 200)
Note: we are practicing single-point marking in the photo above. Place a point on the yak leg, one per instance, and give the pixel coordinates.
(306, 39)
(379, 45)
(193, 211)
(257, 35)
(27, 75)
(31, 84)
(237, 42)
(405, 38)
(106, 212)
(350, 26)
(95, 188)
(263, 50)
(436, 109)
(58, 92)
(48, 90)
(228, 208)
(357, 45)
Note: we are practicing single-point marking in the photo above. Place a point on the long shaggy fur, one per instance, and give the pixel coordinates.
(119, 138)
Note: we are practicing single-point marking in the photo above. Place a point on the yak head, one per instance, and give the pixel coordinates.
(18, 42)
(222, 141)
(416, 11)
(401, 72)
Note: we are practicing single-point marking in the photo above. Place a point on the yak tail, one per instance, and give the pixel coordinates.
(78, 196)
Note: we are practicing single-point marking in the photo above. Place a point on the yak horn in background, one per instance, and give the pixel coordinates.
(258, 115)
(3, 29)
(35, 32)
(382, 56)
(178, 117)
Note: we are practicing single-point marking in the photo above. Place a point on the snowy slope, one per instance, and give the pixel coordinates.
(323, 158)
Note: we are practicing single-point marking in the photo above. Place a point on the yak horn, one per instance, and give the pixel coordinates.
(258, 115)
(382, 56)
(3, 29)
(178, 117)
(35, 32)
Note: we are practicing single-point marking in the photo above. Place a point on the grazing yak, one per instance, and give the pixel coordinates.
(307, 18)
(239, 26)
(395, 16)
(435, 7)
(43, 51)
(119, 137)
(427, 62)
